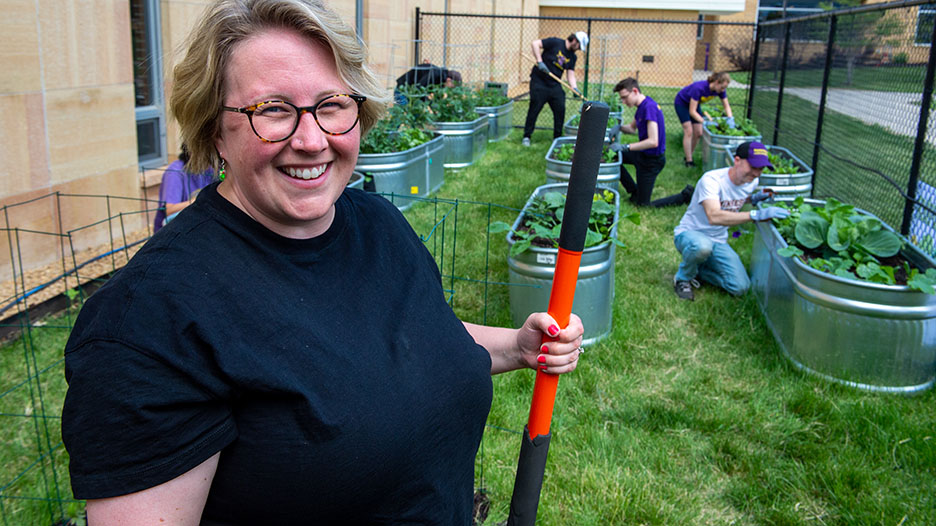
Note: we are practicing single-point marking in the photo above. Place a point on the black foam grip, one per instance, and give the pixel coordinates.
(584, 175)
(531, 469)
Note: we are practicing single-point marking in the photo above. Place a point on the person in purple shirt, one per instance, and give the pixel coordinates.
(648, 154)
(687, 108)
(178, 189)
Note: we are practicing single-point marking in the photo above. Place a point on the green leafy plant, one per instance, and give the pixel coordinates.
(781, 165)
(743, 127)
(839, 240)
(454, 104)
(488, 97)
(712, 110)
(542, 222)
(612, 121)
(565, 151)
(404, 126)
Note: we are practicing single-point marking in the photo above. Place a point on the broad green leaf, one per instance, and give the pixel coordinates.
(842, 273)
(519, 247)
(922, 283)
(602, 208)
(839, 236)
(592, 238)
(881, 243)
(790, 251)
(554, 199)
(497, 227)
(633, 218)
(811, 230)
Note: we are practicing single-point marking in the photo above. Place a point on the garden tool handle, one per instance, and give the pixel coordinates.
(583, 178)
(557, 79)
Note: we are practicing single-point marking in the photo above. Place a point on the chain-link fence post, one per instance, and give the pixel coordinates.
(783, 71)
(758, 38)
(919, 143)
(823, 96)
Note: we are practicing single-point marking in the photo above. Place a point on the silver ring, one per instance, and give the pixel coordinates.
(581, 350)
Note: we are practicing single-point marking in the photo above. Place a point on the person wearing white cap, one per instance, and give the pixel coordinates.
(553, 56)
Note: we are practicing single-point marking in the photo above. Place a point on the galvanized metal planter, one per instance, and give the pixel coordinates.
(571, 130)
(465, 142)
(435, 163)
(356, 181)
(531, 275)
(499, 120)
(400, 176)
(866, 335)
(786, 185)
(559, 171)
(713, 146)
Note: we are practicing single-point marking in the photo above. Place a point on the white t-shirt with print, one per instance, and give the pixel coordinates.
(714, 184)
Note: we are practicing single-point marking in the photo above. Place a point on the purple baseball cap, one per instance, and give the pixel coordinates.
(755, 153)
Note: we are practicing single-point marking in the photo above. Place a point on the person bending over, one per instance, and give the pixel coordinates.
(687, 109)
(553, 56)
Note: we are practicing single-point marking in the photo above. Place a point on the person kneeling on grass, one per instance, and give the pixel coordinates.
(702, 234)
(648, 154)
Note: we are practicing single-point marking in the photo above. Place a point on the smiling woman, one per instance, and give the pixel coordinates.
(224, 375)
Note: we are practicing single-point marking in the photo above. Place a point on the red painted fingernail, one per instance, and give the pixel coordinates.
(541, 359)
(553, 330)
(543, 368)
(544, 349)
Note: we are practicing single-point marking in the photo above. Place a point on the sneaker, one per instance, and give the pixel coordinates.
(690, 163)
(684, 288)
(525, 141)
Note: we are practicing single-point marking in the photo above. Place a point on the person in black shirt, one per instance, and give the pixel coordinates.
(283, 352)
(556, 56)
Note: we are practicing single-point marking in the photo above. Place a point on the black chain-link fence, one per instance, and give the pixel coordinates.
(845, 91)
(659, 53)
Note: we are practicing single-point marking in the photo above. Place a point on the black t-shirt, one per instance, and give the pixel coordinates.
(557, 58)
(423, 75)
(331, 373)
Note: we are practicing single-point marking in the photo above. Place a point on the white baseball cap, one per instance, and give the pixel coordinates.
(582, 37)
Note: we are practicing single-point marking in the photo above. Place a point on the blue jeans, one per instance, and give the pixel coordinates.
(714, 263)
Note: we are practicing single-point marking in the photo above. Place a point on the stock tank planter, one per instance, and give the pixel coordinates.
(786, 182)
(609, 173)
(405, 175)
(570, 127)
(531, 274)
(871, 336)
(435, 163)
(356, 181)
(713, 145)
(499, 120)
(465, 142)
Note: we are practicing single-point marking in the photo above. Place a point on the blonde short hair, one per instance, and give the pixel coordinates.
(198, 80)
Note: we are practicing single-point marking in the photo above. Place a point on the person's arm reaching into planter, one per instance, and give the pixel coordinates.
(512, 349)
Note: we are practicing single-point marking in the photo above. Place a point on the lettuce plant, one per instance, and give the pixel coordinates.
(839, 240)
(542, 222)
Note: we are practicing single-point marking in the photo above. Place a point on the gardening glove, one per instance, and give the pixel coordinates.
(730, 122)
(763, 195)
(614, 132)
(618, 147)
(771, 212)
(542, 67)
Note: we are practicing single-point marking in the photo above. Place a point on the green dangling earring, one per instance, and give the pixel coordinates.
(221, 173)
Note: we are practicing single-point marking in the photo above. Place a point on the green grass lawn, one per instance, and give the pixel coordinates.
(687, 414)
(906, 78)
